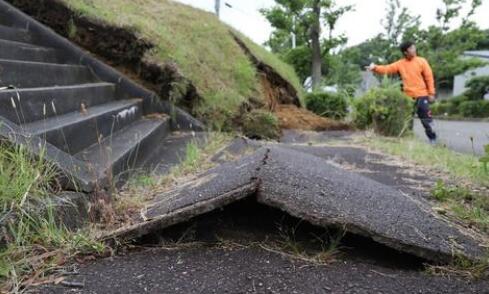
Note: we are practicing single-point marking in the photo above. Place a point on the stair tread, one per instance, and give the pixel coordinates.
(32, 74)
(121, 142)
(34, 104)
(20, 90)
(15, 34)
(11, 51)
(23, 45)
(39, 63)
(57, 122)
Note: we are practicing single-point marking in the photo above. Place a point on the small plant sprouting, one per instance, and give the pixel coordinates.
(485, 159)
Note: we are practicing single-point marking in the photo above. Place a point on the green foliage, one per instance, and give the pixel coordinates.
(440, 108)
(475, 109)
(333, 105)
(443, 192)
(261, 124)
(443, 50)
(291, 16)
(299, 17)
(22, 176)
(398, 18)
(201, 46)
(477, 87)
(386, 109)
(460, 167)
(484, 160)
(192, 155)
(300, 58)
(30, 229)
(464, 203)
(339, 70)
(284, 69)
(440, 46)
(454, 104)
(469, 104)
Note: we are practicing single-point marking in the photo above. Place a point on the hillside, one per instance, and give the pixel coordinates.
(180, 52)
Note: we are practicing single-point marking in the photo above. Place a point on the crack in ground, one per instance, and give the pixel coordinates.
(292, 182)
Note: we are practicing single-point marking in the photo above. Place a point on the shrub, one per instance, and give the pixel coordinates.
(454, 104)
(327, 104)
(477, 87)
(479, 108)
(440, 108)
(261, 124)
(387, 110)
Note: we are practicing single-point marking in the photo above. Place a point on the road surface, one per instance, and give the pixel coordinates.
(456, 135)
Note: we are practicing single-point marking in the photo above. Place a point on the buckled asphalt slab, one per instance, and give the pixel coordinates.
(311, 188)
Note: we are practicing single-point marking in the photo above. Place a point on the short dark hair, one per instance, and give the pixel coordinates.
(405, 45)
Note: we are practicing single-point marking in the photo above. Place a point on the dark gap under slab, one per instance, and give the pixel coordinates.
(249, 223)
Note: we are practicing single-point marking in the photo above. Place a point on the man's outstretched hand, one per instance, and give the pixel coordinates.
(370, 67)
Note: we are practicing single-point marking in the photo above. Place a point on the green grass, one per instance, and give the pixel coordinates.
(283, 69)
(469, 206)
(197, 156)
(32, 241)
(196, 159)
(22, 176)
(459, 166)
(201, 46)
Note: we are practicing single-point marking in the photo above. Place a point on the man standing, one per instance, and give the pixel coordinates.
(418, 83)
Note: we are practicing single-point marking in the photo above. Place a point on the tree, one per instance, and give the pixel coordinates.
(397, 20)
(484, 43)
(440, 44)
(443, 47)
(307, 19)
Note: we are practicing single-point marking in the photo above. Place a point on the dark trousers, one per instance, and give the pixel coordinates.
(422, 109)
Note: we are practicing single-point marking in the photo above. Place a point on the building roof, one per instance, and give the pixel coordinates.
(480, 53)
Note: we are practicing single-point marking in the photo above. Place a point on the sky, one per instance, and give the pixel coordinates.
(359, 25)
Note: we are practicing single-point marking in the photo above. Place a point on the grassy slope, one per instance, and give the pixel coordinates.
(197, 42)
(283, 69)
(459, 166)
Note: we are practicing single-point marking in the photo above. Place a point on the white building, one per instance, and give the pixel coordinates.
(461, 79)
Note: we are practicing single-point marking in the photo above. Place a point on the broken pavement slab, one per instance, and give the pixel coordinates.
(212, 189)
(310, 188)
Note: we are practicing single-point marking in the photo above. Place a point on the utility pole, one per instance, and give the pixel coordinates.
(217, 7)
(293, 33)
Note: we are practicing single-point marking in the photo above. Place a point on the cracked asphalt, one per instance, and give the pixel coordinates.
(308, 183)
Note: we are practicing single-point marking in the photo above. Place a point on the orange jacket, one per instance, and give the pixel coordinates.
(416, 74)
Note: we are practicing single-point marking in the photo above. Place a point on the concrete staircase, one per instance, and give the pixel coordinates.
(89, 127)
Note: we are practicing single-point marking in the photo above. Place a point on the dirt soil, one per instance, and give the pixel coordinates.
(283, 100)
(293, 117)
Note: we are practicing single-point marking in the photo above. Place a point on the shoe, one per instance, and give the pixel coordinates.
(433, 141)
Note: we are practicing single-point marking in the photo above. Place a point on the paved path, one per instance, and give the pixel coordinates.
(456, 134)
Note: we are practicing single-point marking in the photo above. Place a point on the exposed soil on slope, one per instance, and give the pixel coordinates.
(293, 117)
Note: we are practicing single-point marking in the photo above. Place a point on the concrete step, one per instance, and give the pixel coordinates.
(5, 19)
(34, 104)
(14, 34)
(29, 74)
(124, 150)
(23, 51)
(73, 132)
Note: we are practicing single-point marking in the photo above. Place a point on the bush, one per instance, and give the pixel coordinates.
(387, 110)
(327, 104)
(261, 124)
(477, 109)
(441, 108)
(477, 87)
(454, 104)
